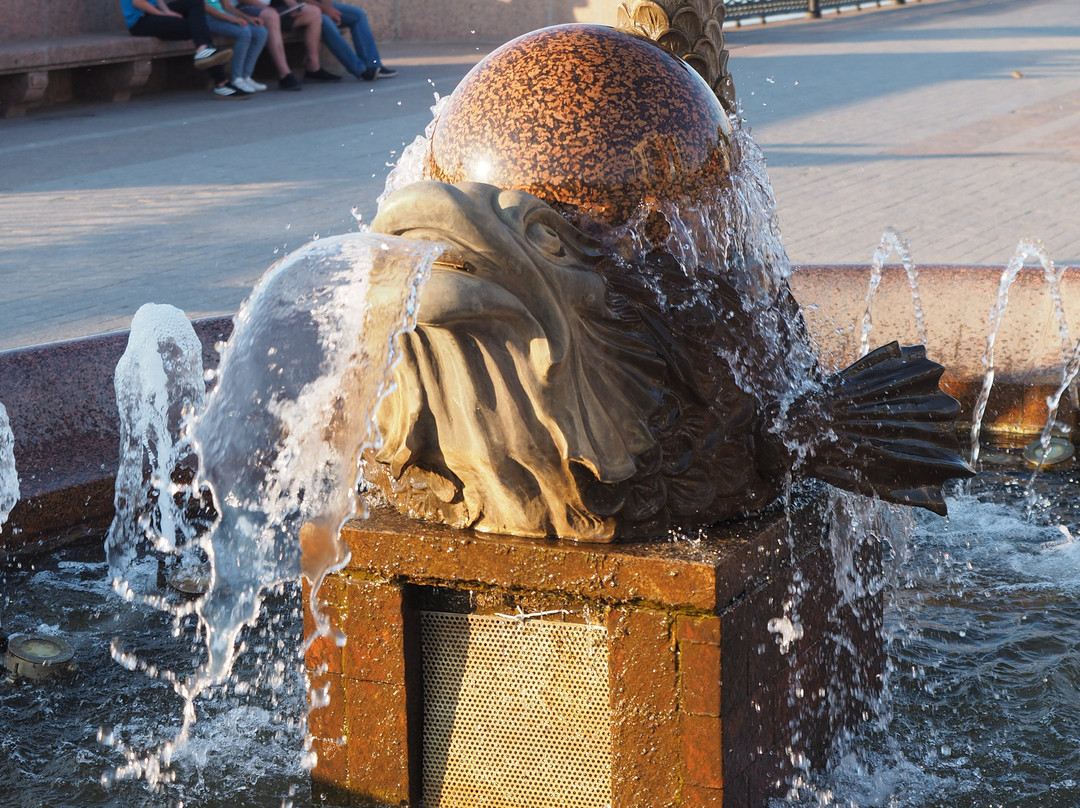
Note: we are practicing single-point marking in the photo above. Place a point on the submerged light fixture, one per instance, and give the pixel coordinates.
(191, 579)
(1058, 449)
(35, 656)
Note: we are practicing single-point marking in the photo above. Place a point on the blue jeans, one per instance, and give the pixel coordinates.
(364, 54)
(248, 43)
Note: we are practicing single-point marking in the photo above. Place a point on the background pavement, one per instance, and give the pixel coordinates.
(957, 122)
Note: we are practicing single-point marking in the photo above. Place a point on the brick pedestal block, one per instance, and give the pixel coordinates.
(727, 655)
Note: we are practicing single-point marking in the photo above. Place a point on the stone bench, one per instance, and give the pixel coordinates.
(97, 67)
(94, 66)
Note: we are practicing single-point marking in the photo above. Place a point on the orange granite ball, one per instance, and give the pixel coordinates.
(586, 118)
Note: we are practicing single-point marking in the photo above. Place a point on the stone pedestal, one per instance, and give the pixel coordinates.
(712, 695)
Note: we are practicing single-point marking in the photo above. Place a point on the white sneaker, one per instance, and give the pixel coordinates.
(242, 84)
(207, 56)
(229, 90)
(255, 86)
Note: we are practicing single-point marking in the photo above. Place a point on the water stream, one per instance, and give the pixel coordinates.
(158, 383)
(1026, 250)
(891, 242)
(272, 455)
(9, 476)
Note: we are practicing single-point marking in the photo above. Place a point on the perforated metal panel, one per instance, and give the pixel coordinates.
(516, 714)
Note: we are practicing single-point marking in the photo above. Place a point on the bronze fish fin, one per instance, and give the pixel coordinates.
(888, 428)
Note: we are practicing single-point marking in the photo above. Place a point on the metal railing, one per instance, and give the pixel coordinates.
(743, 9)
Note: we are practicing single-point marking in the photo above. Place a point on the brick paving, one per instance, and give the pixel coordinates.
(957, 122)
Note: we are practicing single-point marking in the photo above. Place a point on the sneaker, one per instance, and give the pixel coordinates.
(290, 82)
(378, 72)
(230, 90)
(321, 75)
(248, 86)
(207, 56)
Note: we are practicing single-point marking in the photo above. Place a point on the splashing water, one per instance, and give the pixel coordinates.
(737, 233)
(1025, 250)
(1053, 402)
(158, 383)
(981, 629)
(280, 437)
(731, 235)
(9, 477)
(891, 242)
(410, 166)
(979, 705)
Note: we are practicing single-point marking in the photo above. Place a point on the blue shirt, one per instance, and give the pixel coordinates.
(131, 14)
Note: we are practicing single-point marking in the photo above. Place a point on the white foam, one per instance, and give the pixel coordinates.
(158, 383)
(9, 478)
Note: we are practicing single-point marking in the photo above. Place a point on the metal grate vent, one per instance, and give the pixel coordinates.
(516, 713)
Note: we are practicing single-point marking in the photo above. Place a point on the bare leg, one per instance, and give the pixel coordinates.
(274, 43)
(311, 18)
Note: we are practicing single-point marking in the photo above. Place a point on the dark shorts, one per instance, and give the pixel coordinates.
(287, 20)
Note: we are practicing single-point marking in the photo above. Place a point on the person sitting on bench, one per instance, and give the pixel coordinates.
(178, 20)
(280, 17)
(362, 59)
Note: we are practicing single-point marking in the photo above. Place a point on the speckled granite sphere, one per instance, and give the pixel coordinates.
(584, 117)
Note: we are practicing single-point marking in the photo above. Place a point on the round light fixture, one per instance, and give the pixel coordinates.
(191, 579)
(34, 656)
(1058, 450)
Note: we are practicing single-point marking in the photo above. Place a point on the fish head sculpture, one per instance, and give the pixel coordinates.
(522, 400)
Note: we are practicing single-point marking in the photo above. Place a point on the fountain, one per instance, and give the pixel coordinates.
(714, 665)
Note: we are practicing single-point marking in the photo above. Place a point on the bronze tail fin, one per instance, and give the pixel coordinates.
(888, 429)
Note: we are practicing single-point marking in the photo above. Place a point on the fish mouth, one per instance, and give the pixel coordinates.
(455, 257)
(458, 290)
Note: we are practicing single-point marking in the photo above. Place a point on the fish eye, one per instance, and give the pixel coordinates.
(544, 237)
